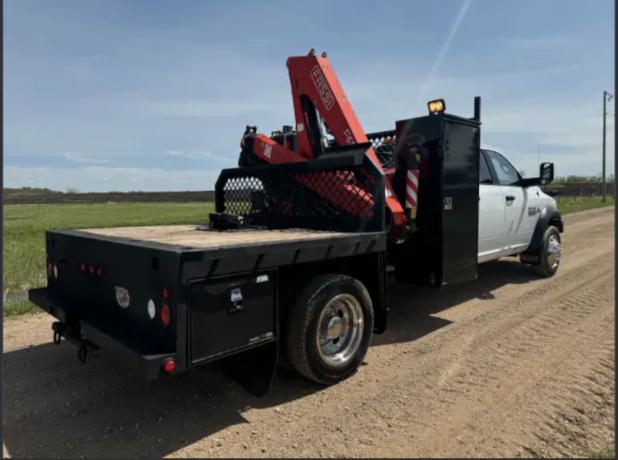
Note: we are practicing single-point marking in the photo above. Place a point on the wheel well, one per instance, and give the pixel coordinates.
(557, 222)
(367, 268)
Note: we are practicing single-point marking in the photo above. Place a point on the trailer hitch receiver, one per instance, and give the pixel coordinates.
(84, 346)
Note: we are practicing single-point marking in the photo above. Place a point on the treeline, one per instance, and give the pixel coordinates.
(565, 186)
(17, 196)
(597, 179)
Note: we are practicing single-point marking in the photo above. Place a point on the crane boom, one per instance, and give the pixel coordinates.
(318, 97)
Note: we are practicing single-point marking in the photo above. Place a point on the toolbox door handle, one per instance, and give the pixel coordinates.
(235, 304)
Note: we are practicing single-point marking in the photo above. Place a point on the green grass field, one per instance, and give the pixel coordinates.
(568, 205)
(25, 225)
(24, 234)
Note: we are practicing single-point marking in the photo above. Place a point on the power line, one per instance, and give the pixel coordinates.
(607, 97)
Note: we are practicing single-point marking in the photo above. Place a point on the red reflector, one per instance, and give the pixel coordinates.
(169, 365)
(100, 271)
(165, 315)
(166, 293)
(50, 269)
(91, 270)
(83, 267)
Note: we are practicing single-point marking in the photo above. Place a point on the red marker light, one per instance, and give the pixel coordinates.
(83, 267)
(99, 271)
(169, 365)
(165, 315)
(166, 293)
(91, 270)
(50, 269)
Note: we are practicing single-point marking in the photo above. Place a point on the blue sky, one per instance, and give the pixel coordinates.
(154, 94)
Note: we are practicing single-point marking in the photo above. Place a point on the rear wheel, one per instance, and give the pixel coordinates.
(329, 328)
(549, 253)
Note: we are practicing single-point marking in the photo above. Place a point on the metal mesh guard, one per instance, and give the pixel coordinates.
(317, 194)
(383, 144)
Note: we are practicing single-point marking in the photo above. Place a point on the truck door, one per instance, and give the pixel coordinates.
(492, 212)
(520, 222)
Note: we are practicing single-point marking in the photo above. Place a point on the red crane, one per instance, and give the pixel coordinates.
(321, 107)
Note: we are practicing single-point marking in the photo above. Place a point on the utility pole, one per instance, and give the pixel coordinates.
(606, 98)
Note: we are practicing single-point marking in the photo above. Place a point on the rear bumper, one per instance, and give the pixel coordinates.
(88, 339)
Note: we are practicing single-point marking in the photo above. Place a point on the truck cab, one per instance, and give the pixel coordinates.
(513, 211)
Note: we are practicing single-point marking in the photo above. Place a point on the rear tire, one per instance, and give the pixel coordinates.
(329, 328)
(549, 253)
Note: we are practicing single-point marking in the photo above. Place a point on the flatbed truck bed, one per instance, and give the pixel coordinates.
(190, 294)
(179, 296)
(202, 237)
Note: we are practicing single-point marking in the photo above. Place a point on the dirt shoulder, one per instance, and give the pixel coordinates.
(508, 365)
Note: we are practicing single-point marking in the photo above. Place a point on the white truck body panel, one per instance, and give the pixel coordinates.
(508, 213)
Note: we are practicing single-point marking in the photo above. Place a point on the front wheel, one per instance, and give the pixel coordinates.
(329, 328)
(549, 253)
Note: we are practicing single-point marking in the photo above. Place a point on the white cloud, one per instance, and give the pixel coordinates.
(558, 125)
(104, 179)
(542, 43)
(207, 109)
(197, 155)
(79, 158)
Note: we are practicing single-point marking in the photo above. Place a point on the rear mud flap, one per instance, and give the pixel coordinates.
(254, 370)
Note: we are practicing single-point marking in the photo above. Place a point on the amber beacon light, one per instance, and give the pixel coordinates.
(437, 106)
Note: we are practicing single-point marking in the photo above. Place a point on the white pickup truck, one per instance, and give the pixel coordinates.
(516, 218)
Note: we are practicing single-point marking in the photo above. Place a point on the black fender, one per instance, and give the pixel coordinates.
(549, 216)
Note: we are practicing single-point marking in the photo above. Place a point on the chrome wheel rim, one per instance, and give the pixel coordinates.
(554, 251)
(340, 330)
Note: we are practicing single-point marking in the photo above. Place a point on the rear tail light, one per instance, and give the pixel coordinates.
(166, 293)
(169, 365)
(50, 270)
(165, 315)
(92, 270)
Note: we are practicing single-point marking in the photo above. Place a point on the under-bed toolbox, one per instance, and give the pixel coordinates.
(231, 314)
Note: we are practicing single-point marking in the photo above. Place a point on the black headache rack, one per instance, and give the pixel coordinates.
(222, 301)
(445, 240)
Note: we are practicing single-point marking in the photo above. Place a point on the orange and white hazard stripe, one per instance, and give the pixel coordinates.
(412, 191)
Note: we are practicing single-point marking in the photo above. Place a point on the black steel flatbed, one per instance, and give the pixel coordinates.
(233, 251)
(199, 267)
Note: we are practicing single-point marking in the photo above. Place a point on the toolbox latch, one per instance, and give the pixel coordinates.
(235, 300)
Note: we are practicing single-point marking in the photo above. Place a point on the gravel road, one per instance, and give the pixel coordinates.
(507, 365)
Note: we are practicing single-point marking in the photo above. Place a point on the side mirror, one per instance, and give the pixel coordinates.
(546, 173)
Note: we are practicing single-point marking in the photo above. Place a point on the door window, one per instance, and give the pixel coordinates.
(506, 173)
(484, 174)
